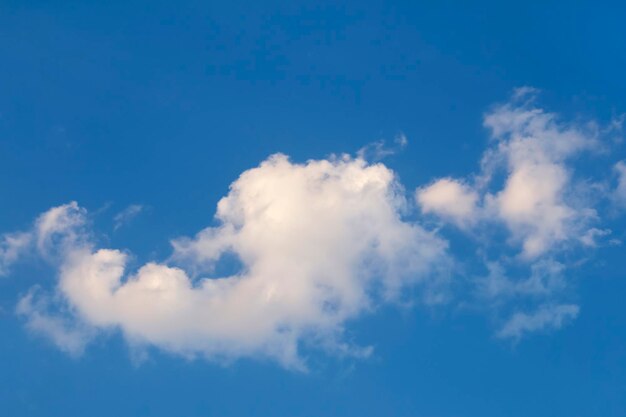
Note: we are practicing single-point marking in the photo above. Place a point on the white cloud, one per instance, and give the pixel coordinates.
(59, 229)
(546, 317)
(12, 245)
(450, 199)
(51, 233)
(526, 188)
(127, 215)
(537, 202)
(324, 242)
(320, 243)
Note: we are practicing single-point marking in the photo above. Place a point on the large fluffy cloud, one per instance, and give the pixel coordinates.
(319, 243)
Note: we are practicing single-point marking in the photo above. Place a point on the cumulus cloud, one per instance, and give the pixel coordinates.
(535, 202)
(526, 186)
(532, 148)
(320, 243)
(450, 199)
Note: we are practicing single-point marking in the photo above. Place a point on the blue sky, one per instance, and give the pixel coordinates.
(440, 235)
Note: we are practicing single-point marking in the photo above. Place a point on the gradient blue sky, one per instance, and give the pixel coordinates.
(164, 104)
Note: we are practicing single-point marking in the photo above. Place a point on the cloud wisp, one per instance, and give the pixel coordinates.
(127, 215)
(545, 318)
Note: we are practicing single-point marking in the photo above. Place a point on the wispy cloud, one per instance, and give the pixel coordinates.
(545, 318)
(67, 220)
(12, 245)
(67, 333)
(379, 150)
(127, 215)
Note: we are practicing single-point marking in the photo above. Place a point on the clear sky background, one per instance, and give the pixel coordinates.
(144, 113)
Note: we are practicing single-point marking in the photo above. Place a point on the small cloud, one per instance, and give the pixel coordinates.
(378, 150)
(544, 279)
(450, 199)
(401, 140)
(127, 215)
(545, 318)
(12, 245)
(525, 92)
(615, 128)
(60, 226)
(593, 235)
(51, 233)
